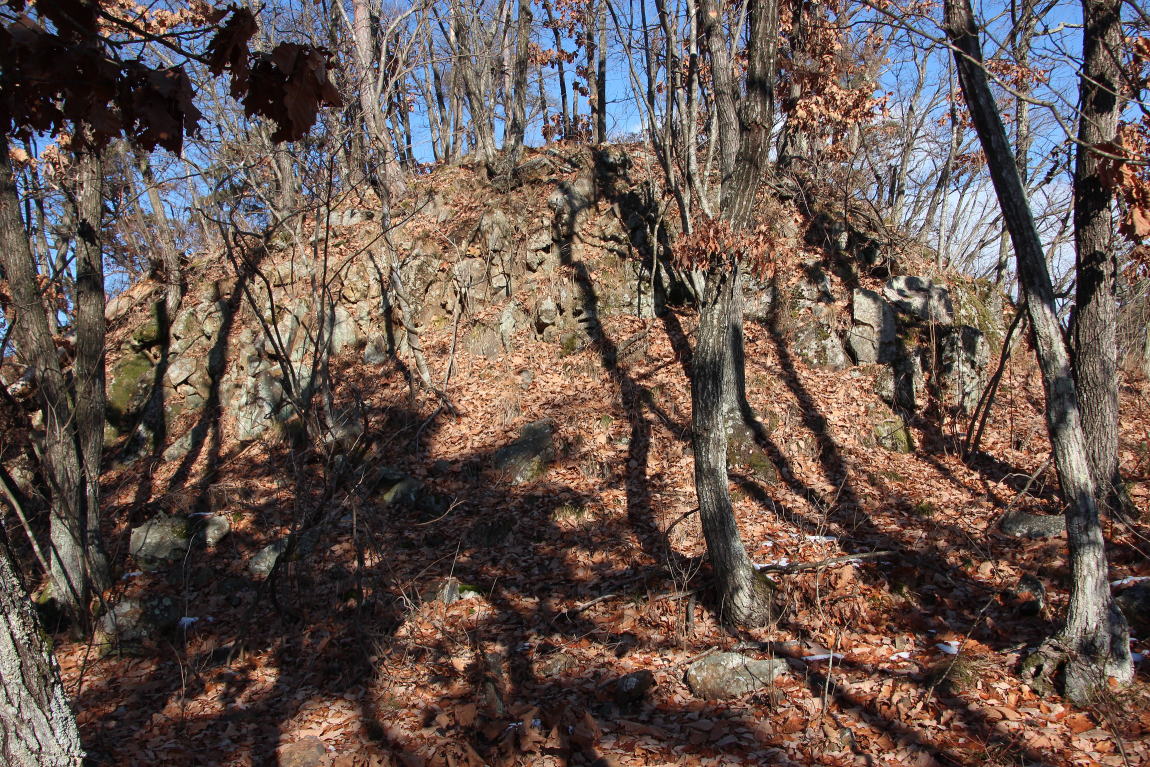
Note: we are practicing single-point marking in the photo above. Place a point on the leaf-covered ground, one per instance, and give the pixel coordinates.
(596, 570)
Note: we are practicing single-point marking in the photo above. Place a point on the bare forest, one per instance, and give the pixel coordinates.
(574, 382)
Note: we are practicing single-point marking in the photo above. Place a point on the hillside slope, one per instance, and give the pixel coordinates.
(327, 561)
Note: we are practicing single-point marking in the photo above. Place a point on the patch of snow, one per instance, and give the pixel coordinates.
(780, 563)
(904, 655)
(821, 538)
(187, 622)
(950, 648)
(824, 656)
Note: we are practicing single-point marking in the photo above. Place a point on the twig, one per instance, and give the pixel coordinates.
(823, 563)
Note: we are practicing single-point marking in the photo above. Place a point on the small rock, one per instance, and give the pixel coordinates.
(633, 687)
(527, 457)
(894, 435)
(729, 675)
(376, 352)
(1023, 524)
(309, 752)
(554, 665)
(264, 561)
(448, 591)
(131, 620)
(215, 528)
(159, 541)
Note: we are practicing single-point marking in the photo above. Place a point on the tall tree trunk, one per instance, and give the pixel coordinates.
(745, 597)
(1093, 333)
(517, 126)
(88, 369)
(37, 727)
(1093, 645)
(60, 449)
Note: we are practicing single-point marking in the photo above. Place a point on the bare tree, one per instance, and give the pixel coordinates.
(1094, 328)
(1093, 644)
(745, 596)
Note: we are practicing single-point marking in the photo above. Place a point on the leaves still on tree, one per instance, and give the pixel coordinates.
(61, 72)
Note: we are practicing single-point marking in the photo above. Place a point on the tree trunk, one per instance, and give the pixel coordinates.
(37, 727)
(88, 370)
(1093, 644)
(745, 596)
(517, 126)
(1093, 332)
(60, 449)
(170, 258)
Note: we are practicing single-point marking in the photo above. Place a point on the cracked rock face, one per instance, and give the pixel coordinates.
(920, 297)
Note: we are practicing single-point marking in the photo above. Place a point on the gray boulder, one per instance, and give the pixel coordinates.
(894, 435)
(131, 620)
(1023, 524)
(819, 345)
(262, 564)
(964, 355)
(527, 457)
(160, 541)
(920, 297)
(730, 674)
(873, 333)
(1134, 602)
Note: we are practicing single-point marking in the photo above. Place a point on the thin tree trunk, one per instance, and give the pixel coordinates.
(745, 597)
(518, 124)
(88, 370)
(1093, 332)
(37, 726)
(1093, 645)
(60, 448)
(169, 257)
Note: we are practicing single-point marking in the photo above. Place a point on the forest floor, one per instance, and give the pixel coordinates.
(595, 570)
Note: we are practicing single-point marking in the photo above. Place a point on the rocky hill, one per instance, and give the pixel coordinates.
(419, 491)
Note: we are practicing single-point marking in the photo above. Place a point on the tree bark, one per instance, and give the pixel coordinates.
(1093, 644)
(745, 596)
(88, 369)
(60, 449)
(37, 726)
(517, 126)
(1093, 332)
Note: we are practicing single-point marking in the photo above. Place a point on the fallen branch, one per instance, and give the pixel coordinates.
(822, 564)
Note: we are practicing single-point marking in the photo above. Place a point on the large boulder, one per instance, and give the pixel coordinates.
(920, 297)
(1134, 602)
(730, 674)
(819, 345)
(129, 388)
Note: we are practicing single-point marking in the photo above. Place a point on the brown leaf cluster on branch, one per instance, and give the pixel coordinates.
(715, 241)
(59, 73)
